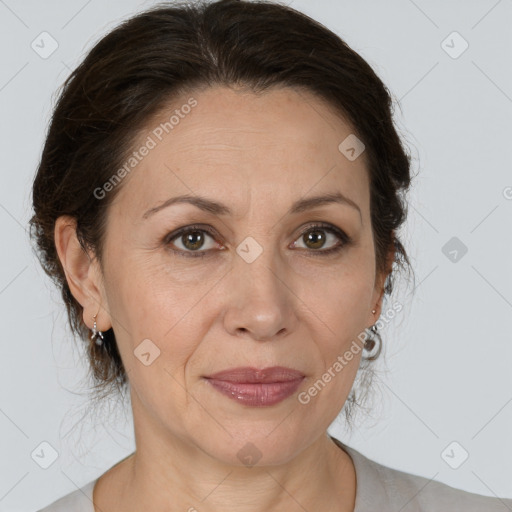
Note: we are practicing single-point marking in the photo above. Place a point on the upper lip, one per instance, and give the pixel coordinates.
(255, 375)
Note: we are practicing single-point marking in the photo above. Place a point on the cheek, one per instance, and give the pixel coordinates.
(348, 307)
(339, 307)
(158, 336)
(326, 392)
(341, 297)
(339, 315)
(154, 322)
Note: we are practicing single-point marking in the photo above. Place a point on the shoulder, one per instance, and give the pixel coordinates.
(423, 494)
(76, 501)
(383, 488)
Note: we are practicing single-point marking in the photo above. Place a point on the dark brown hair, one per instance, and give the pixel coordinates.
(137, 69)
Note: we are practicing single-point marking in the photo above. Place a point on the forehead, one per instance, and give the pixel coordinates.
(243, 147)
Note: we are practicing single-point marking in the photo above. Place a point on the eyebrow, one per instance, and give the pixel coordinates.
(211, 206)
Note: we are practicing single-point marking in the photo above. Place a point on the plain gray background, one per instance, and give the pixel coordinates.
(445, 375)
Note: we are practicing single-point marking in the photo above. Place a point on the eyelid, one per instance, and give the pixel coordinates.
(339, 233)
(345, 239)
(185, 229)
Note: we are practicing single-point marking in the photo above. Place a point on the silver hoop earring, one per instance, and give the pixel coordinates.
(98, 335)
(371, 342)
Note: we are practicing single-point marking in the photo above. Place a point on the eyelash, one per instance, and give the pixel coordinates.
(345, 239)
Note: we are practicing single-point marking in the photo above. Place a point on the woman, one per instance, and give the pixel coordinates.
(218, 198)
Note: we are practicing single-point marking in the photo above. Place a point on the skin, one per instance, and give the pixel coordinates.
(292, 306)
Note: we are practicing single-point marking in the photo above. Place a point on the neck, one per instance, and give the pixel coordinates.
(179, 476)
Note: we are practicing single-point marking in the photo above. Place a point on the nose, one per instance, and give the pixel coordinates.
(259, 301)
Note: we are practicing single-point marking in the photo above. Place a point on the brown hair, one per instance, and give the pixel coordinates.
(140, 66)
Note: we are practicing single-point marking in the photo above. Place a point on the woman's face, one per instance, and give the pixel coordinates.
(253, 287)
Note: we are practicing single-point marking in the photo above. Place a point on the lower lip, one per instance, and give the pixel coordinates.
(257, 394)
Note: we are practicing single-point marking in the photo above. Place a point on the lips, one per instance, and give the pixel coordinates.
(257, 388)
(252, 375)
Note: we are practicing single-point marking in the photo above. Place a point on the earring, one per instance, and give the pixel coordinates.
(371, 342)
(95, 333)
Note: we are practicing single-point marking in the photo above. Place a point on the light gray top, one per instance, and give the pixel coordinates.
(379, 489)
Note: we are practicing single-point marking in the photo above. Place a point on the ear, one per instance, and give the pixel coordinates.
(380, 280)
(83, 274)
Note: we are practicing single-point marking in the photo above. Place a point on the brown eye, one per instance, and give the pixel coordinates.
(188, 241)
(193, 240)
(315, 237)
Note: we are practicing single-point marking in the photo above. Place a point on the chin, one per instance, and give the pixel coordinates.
(253, 448)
